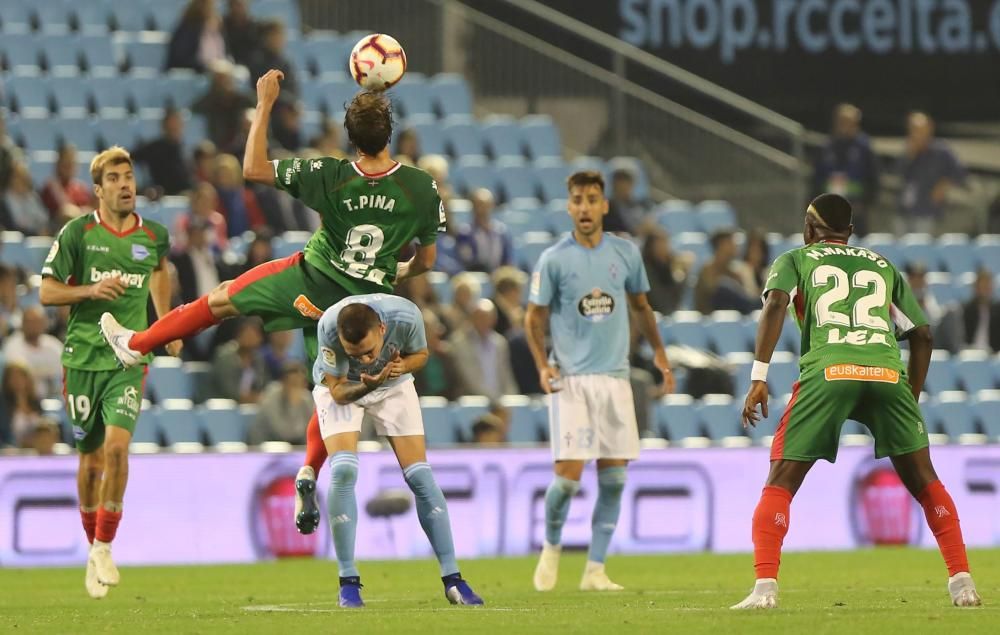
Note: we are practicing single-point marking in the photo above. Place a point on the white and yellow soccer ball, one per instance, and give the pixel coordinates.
(377, 62)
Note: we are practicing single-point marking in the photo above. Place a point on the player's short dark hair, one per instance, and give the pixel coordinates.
(584, 178)
(369, 122)
(835, 210)
(356, 321)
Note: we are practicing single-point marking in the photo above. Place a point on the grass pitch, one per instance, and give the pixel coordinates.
(875, 591)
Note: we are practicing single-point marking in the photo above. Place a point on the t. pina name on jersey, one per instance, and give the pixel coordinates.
(374, 201)
(857, 338)
(128, 279)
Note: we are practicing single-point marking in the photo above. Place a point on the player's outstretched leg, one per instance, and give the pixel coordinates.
(770, 524)
(342, 510)
(611, 483)
(557, 499)
(432, 510)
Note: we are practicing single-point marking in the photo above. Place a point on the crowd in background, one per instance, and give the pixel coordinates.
(477, 342)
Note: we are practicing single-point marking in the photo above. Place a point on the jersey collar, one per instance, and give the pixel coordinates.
(374, 175)
(834, 242)
(136, 227)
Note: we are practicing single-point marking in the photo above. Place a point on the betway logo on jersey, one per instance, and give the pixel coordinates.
(374, 201)
(818, 253)
(596, 306)
(129, 279)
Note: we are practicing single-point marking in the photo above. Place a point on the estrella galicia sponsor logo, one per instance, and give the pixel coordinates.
(139, 252)
(596, 306)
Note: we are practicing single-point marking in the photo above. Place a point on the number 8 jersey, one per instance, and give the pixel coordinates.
(366, 219)
(850, 303)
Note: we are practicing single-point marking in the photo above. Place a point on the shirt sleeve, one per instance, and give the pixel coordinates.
(638, 280)
(784, 275)
(331, 359)
(416, 340)
(61, 261)
(905, 310)
(436, 220)
(303, 178)
(543, 283)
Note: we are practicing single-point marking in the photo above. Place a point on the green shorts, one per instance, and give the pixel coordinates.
(824, 398)
(95, 399)
(287, 293)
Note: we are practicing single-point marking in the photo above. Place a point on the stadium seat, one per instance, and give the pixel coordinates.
(183, 88)
(551, 173)
(163, 16)
(41, 170)
(586, 162)
(728, 333)
(525, 419)
(73, 96)
(720, 417)
(413, 96)
(955, 415)
(918, 249)
(287, 12)
(677, 217)
(635, 167)
(472, 173)
(429, 134)
(123, 132)
(147, 428)
(558, 220)
(740, 363)
(28, 96)
(199, 374)
(791, 337)
(676, 418)
(516, 179)
(82, 133)
(99, 55)
(520, 222)
(15, 19)
(38, 134)
(715, 215)
(93, 18)
(178, 422)
(686, 328)
(110, 98)
(61, 54)
(975, 371)
(942, 375)
(502, 135)
(955, 253)
(462, 136)
(146, 53)
(331, 54)
(884, 245)
(985, 408)
(222, 422)
(451, 96)
(465, 412)
(21, 53)
(529, 247)
(167, 380)
(439, 425)
(541, 137)
(129, 17)
(51, 16)
(147, 95)
(987, 252)
(783, 373)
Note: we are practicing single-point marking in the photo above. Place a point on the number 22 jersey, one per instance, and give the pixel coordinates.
(850, 303)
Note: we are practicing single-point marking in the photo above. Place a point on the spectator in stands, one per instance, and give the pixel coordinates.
(239, 369)
(945, 321)
(202, 200)
(482, 355)
(261, 249)
(286, 126)
(465, 293)
(420, 291)
(270, 53)
(408, 147)
(10, 309)
(9, 154)
(439, 376)
(204, 156)
(756, 261)
(164, 157)
(22, 410)
(278, 352)
(928, 169)
(437, 166)
(21, 208)
(626, 213)
(485, 245)
(197, 40)
(285, 404)
(847, 165)
(328, 142)
(43, 437)
(720, 284)
(223, 105)
(241, 31)
(668, 272)
(198, 266)
(508, 296)
(982, 315)
(39, 350)
(489, 429)
(66, 196)
(523, 364)
(237, 202)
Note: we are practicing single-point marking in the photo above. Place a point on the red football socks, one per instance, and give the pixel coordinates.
(107, 524)
(89, 524)
(182, 322)
(315, 448)
(770, 524)
(942, 518)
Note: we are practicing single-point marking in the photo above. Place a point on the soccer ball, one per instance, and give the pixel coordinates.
(377, 62)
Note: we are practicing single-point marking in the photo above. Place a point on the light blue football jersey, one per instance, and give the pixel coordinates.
(404, 333)
(585, 290)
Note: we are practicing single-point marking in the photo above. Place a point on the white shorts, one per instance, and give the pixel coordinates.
(593, 417)
(395, 412)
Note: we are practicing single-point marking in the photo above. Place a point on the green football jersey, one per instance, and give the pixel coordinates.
(366, 219)
(87, 251)
(850, 303)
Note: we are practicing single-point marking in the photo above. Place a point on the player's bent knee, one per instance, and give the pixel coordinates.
(344, 474)
(116, 456)
(219, 302)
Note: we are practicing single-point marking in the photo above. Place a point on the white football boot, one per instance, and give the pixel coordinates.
(107, 572)
(547, 570)
(963, 590)
(94, 587)
(118, 338)
(596, 579)
(763, 596)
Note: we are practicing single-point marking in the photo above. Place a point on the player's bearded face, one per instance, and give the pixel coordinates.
(367, 351)
(117, 190)
(587, 207)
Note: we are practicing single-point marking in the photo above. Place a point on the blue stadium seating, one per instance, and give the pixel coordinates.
(635, 167)
(99, 54)
(529, 248)
(558, 219)
(783, 373)
(955, 415)
(728, 333)
(439, 424)
(541, 137)
(413, 96)
(715, 215)
(429, 133)
(222, 422)
(93, 18)
(685, 328)
(147, 429)
(551, 173)
(473, 172)
(146, 53)
(177, 423)
(768, 426)
(51, 16)
(919, 249)
(81, 133)
(38, 134)
(502, 135)
(73, 95)
(985, 408)
(14, 19)
(720, 417)
(465, 412)
(451, 95)
(516, 179)
(28, 96)
(987, 252)
(21, 53)
(941, 375)
(521, 221)
(462, 136)
(129, 17)
(975, 371)
(676, 418)
(677, 217)
(109, 99)
(525, 419)
(61, 54)
(167, 380)
(286, 11)
(123, 132)
(163, 16)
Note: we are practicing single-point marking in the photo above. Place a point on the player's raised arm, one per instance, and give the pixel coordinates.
(768, 331)
(256, 166)
(647, 326)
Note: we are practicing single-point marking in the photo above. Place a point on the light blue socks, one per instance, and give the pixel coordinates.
(610, 483)
(557, 498)
(432, 510)
(342, 509)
